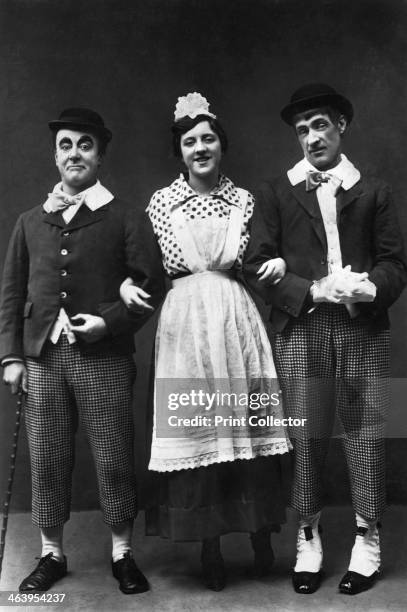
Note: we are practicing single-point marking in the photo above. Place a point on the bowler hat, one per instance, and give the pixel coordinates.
(316, 95)
(84, 119)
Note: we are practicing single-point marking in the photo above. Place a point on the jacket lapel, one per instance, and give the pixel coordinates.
(84, 216)
(55, 218)
(344, 198)
(308, 200)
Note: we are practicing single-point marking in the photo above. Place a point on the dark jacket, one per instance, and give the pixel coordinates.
(78, 266)
(287, 222)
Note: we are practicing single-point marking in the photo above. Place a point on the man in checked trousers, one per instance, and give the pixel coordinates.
(67, 340)
(338, 233)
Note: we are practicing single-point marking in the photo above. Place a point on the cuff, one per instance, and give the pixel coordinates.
(11, 359)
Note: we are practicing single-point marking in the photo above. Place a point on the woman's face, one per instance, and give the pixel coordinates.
(201, 151)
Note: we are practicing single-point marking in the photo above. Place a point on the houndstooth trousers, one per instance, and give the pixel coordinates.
(62, 385)
(329, 363)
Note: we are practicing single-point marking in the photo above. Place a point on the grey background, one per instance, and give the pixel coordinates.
(131, 60)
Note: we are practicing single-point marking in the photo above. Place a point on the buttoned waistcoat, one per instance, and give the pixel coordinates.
(78, 266)
(287, 222)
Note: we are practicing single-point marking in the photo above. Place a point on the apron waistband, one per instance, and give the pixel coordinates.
(176, 280)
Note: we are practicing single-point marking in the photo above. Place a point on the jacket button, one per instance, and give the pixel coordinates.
(63, 294)
(64, 251)
(64, 272)
(66, 234)
(323, 262)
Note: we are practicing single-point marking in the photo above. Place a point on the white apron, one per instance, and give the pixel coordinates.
(212, 357)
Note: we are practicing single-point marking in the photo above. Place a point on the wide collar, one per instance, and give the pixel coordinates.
(351, 189)
(91, 211)
(345, 171)
(180, 192)
(96, 196)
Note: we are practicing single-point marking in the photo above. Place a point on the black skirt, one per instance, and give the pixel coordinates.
(243, 496)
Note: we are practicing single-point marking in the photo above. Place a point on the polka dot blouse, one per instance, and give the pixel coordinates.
(216, 204)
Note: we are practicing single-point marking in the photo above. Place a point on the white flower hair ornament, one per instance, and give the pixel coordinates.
(192, 105)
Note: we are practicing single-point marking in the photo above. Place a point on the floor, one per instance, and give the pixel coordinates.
(174, 573)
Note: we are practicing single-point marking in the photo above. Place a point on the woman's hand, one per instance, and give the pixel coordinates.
(272, 271)
(134, 297)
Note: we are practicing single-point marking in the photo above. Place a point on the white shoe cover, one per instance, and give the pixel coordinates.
(365, 557)
(309, 552)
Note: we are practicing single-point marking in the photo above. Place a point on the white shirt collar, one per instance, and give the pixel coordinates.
(96, 196)
(345, 171)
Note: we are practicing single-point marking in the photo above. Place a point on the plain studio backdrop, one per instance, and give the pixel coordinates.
(130, 61)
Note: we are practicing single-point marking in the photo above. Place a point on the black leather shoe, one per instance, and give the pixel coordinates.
(263, 553)
(48, 571)
(214, 574)
(263, 563)
(306, 582)
(131, 579)
(213, 566)
(353, 583)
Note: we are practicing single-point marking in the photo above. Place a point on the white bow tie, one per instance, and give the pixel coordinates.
(58, 201)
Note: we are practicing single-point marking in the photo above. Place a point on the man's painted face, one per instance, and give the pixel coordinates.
(320, 138)
(77, 159)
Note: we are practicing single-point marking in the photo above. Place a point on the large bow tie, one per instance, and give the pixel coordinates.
(313, 179)
(58, 201)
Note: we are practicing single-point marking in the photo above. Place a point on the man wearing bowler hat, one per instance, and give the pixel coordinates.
(338, 233)
(67, 340)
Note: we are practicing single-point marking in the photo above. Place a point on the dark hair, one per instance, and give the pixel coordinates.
(102, 142)
(187, 123)
(332, 112)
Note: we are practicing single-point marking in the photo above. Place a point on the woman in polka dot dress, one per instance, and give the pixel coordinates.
(215, 445)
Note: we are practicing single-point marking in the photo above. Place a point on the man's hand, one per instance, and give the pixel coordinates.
(272, 271)
(15, 375)
(344, 287)
(90, 327)
(134, 297)
(364, 291)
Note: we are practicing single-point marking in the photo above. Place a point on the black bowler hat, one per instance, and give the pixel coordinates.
(315, 95)
(83, 119)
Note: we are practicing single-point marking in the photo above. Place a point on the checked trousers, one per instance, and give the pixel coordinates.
(63, 384)
(330, 364)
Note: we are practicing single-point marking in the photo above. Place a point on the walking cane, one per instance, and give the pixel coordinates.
(13, 457)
